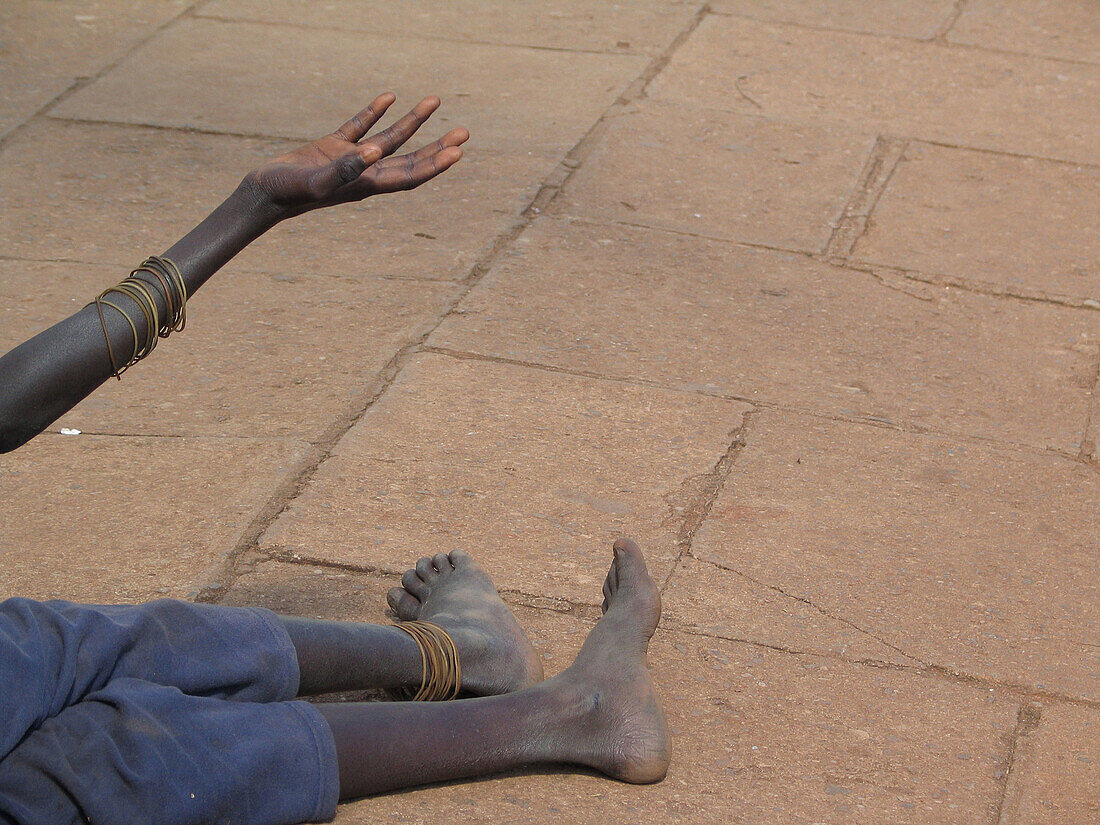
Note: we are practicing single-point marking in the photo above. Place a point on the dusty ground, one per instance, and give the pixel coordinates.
(803, 295)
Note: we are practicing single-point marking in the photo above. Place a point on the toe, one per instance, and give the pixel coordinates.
(403, 603)
(459, 558)
(425, 569)
(442, 562)
(415, 585)
(629, 561)
(626, 547)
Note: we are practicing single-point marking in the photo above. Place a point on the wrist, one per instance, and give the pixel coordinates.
(256, 205)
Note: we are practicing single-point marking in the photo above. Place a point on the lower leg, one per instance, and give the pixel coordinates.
(338, 656)
(449, 590)
(602, 712)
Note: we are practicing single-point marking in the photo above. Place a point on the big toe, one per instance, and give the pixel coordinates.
(404, 604)
(629, 564)
(629, 577)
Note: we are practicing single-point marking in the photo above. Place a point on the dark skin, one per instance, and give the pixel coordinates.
(45, 377)
(602, 712)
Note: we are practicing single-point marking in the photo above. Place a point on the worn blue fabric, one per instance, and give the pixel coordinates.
(168, 712)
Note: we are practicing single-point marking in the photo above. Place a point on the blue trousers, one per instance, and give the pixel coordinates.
(167, 713)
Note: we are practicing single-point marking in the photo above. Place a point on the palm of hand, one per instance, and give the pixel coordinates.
(343, 166)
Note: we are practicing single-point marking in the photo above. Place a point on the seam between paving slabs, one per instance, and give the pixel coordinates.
(975, 287)
(468, 41)
(592, 612)
(853, 131)
(810, 603)
(1087, 451)
(928, 668)
(985, 288)
(80, 82)
(290, 140)
(217, 585)
(939, 37)
(990, 442)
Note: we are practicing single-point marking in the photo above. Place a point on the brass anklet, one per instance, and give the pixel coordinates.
(442, 677)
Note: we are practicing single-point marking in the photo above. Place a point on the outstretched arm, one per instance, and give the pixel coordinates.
(43, 378)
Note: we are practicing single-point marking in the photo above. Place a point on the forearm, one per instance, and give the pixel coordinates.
(45, 377)
(240, 219)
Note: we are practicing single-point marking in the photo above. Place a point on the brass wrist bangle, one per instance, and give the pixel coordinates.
(174, 291)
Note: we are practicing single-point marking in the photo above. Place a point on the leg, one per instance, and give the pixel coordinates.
(53, 654)
(136, 753)
(450, 590)
(602, 712)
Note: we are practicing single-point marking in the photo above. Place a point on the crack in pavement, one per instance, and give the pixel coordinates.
(811, 603)
(291, 488)
(756, 402)
(1027, 721)
(708, 485)
(948, 23)
(591, 612)
(80, 82)
(855, 217)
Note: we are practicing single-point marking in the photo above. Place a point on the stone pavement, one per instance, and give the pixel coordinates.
(805, 296)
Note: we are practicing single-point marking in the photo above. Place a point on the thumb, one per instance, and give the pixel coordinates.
(344, 170)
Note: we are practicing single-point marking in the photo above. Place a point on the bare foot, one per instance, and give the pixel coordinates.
(452, 591)
(618, 726)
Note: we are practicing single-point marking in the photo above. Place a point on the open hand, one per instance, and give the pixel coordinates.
(345, 166)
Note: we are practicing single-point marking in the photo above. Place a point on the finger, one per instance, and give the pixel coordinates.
(405, 173)
(389, 140)
(360, 124)
(343, 170)
(455, 137)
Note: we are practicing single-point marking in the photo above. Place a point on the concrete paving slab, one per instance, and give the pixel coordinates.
(262, 356)
(966, 97)
(702, 597)
(1067, 29)
(103, 519)
(762, 182)
(1022, 224)
(968, 557)
(115, 194)
(20, 101)
(970, 548)
(645, 27)
(508, 96)
(768, 738)
(342, 595)
(535, 472)
(46, 45)
(1055, 768)
(904, 18)
(781, 328)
